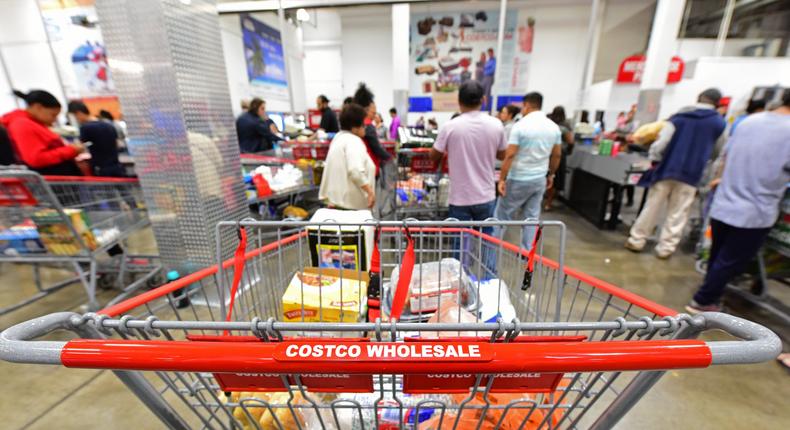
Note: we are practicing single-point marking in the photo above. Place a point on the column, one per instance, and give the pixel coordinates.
(660, 49)
(400, 61)
(167, 63)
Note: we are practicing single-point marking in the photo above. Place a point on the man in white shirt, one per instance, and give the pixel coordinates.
(349, 173)
(533, 151)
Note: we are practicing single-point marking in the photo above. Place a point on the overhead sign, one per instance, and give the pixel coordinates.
(631, 69)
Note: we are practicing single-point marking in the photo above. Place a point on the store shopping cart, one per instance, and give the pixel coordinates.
(291, 189)
(75, 223)
(423, 186)
(537, 345)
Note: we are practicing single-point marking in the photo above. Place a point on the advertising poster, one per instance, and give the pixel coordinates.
(448, 48)
(263, 53)
(77, 42)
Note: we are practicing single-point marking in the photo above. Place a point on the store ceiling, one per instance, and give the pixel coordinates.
(236, 6)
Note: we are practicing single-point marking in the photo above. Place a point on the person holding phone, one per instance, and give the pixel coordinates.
(35, 145)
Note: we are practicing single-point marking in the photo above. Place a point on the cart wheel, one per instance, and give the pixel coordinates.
(155, 281)
(757, 286)
(106, 281)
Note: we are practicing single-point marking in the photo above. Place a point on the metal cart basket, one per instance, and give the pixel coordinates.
(530, 343)
(423, 186)
(78, 223)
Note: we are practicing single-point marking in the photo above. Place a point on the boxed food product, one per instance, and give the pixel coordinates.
(349, 247)
(56, 235)
(20, 239)
(315, 295)
(435, 282)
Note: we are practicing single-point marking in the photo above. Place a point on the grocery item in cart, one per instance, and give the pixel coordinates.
(20, 239)
(276, 417)
(494, 301)
(348, 246)
(56, 235)
(435, 282)
(450, 312)
(319, 294)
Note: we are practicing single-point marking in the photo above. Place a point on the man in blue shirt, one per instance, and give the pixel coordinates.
(746, 204)
(684, 146)
(531, 160)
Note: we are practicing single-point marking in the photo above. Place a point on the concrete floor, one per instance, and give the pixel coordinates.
(725, 397)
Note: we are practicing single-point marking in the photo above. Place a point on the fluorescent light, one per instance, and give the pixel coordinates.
(302, 15)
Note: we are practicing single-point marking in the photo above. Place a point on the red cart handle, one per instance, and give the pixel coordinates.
(404, 281)
(530, 267)
(238, 270)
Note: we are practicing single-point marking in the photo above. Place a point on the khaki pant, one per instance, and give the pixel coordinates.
(677, 197)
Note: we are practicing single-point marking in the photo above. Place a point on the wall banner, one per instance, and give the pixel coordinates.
(450, 48)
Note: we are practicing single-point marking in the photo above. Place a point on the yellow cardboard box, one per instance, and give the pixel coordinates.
(316, 297)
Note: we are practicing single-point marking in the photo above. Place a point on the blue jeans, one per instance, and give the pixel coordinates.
(474, 213)
(523, 197)
(731, 250)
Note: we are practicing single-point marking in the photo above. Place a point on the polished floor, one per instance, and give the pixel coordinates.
(724, 397)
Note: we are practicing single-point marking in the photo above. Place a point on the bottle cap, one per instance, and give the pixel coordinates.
(173, 275)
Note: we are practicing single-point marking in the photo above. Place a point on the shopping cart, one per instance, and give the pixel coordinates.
(573, 352)
(294, 191)
(423, 186)
(75, 223)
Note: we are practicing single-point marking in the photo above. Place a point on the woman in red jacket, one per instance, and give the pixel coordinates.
(35, 144)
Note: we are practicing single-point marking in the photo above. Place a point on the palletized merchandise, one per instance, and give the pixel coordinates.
(579, 352)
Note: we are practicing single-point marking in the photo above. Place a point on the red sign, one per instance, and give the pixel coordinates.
(524, 382)
(318, 383)
(631, 69)
(14, 192)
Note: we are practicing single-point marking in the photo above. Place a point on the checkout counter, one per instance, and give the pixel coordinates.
(595, 184)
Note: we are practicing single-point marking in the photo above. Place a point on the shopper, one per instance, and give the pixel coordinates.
(746, 202)
(349, 174)
(472, 142)
(531, 160)
(7, 156)
(558, 116)
(255, 134)
(480, 66)
(35, 144)
(684, 146)
(364, 97)
(508, 117)
(381, 128)
(395, 124)
(120, 127)
(101, 138)
(328, 118)
(754, 106)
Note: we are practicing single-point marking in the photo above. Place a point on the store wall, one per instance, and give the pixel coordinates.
(625, 32)
(692, 49)
(25, 52)
(734, 76)
(323, 57)
(236, 67)
(367, 51)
